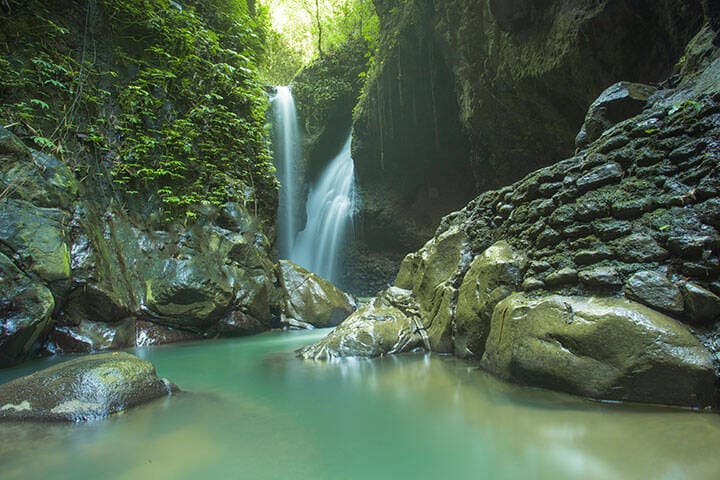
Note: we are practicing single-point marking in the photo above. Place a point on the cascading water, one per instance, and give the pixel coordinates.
(330, 209)
(287, 154)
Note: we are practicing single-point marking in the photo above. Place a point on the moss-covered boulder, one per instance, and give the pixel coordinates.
(389, 324)
(38, 236)
(25, 309)
(604, 348)
(187, 292)
(83, 389)
(493, 275)
(311, 299)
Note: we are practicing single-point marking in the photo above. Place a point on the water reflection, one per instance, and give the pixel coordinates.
(253, 410)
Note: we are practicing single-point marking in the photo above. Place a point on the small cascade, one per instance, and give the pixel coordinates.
(330, 209)
(287, 154)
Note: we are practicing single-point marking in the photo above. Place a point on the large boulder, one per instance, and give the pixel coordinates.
(311, 299)
(493, 275)
(25, 309)
(389, 324)
(83, 389)
(604, 348)
(616, 103)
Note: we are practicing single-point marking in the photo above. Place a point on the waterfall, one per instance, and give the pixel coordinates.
(330, 208)
(287, 154)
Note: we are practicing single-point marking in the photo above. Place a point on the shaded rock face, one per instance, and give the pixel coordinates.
(83, 389)
(634, 215)
(605, 348)
(311, 300)
(490, 90)
(80, 275)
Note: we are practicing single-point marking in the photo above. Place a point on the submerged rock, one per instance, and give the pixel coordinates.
(83, 389)
(604, 348)
(310, 299)
(388, 324)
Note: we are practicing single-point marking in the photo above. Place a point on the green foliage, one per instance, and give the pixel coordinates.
(294, 42)
(177, 112)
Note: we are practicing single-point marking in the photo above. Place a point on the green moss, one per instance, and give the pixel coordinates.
(162, 96)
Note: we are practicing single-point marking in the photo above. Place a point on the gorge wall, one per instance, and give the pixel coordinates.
(469, 95)
(598, 275)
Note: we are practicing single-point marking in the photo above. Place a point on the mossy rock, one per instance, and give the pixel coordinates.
(311, 299)
(83, 389)
(603, 348)
(493, 275)
(389, 324)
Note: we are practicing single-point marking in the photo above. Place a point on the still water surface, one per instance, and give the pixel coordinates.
(254, 411)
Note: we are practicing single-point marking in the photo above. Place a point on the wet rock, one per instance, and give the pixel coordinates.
(547, 237)
(656, 291)
(617, 103)
(640, 248)
(702, 306)
(83, 389)
(39, 237)
(532, 283)
(187, 293)
(149, 333)
(492, 276)
(593, 255)
(388, 324)
(610, 229)
(631, 209)
(564, 276)
(600, 176)
(25, 309)
(433, 265)
(89, 337)
(604, 348)
(312, 299)
(600, 277)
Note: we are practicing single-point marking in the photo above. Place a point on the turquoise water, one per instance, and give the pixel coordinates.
(254, 411)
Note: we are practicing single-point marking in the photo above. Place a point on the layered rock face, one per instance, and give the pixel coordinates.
(471, 95)
(83, 389)
(598, 275)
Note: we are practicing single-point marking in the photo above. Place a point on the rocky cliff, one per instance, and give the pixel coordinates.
(471, 95)
(598, 275)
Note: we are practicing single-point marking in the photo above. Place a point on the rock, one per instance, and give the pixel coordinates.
(640, 248)
(564, 276)
(149, 333)
(603, 348)
(434, 264)
(618, 102)
(701, 305)
(600, 277)
(656, 291)
(89, 337)
(187, 293)
(25, 309)
(389, 324)
(83, 389)
(600, 176)
(532, 283)
(312, 299)
(610, 229)
(493, 275)
(38, 236)
(594, 255)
